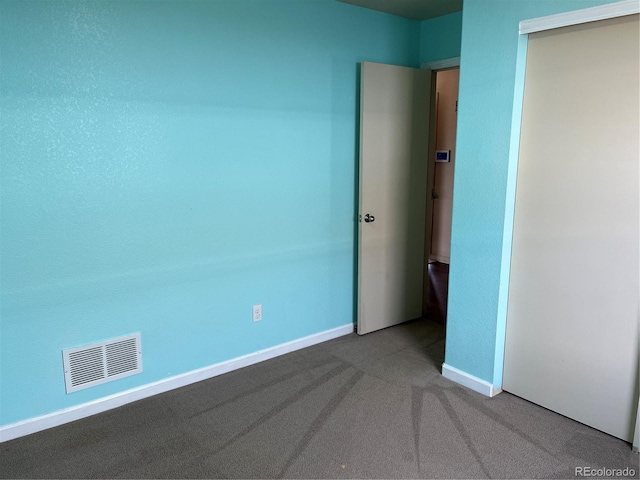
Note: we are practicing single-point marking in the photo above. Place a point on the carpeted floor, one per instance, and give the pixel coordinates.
(356, 407)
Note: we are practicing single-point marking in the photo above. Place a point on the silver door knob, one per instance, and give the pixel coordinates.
(369, 218)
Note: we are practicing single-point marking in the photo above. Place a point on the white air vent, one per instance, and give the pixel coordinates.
(101, 362)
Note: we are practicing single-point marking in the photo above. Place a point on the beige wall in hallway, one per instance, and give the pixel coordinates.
(447, 92)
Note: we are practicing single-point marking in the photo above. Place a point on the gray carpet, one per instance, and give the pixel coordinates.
(356, 407)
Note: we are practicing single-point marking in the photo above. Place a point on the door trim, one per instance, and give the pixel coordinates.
(576, 17)
(441, 64)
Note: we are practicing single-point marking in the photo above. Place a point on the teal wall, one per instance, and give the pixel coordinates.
(476, 319)
(165, 166)
(440, 37)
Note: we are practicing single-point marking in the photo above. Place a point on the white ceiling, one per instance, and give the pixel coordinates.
(416, 9)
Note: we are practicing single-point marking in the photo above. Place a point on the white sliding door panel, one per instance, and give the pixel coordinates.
(572, 322)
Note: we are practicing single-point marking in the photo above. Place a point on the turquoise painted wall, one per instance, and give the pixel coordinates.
(165, 166)
(440, 37)
(475, 329)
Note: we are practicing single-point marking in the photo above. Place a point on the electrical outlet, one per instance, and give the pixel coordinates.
(257, 313)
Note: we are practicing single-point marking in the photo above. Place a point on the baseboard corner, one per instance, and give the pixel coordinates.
(470, 381)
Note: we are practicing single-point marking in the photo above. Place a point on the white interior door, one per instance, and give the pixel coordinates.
(394, 131)
(572, 323)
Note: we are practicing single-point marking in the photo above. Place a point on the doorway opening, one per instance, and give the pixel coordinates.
(438, 250)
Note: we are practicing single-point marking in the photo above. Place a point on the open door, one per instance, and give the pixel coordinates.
(394, 139)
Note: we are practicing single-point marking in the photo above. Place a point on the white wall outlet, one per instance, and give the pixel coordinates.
(257, 313)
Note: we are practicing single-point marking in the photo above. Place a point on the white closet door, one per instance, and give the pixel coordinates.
(572, 325)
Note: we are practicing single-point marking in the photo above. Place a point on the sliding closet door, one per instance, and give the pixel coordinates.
(572, 325)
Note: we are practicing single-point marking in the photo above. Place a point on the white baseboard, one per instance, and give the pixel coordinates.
(36, 424)
(474, 383)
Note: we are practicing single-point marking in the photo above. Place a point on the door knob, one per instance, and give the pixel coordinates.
(369, 218)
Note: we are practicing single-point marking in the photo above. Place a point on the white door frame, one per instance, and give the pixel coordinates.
(575, 17)
(441, 64)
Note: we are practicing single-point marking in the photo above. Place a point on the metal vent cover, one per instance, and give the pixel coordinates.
(101, 362)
